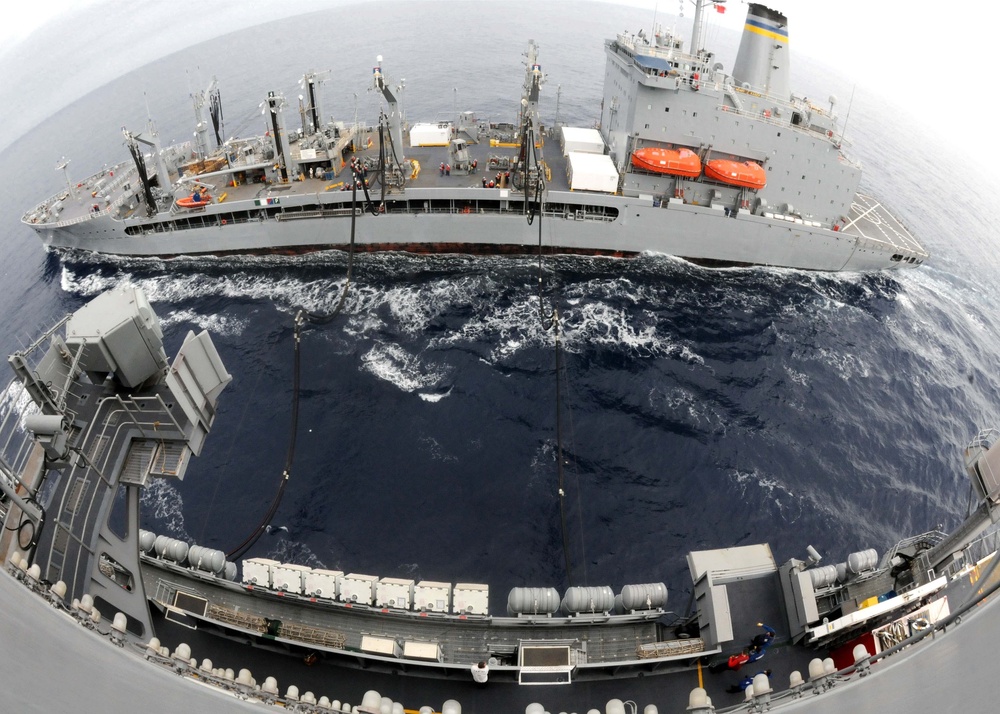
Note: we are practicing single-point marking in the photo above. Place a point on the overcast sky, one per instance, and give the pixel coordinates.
(936, 59)
(905, 44)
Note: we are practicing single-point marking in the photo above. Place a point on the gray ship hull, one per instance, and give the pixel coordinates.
(700, 234)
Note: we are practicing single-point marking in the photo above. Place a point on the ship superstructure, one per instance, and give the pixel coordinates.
(767, 181)
(657, 95)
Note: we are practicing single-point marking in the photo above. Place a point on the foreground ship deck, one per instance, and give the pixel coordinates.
(58, 663)
(466, 186)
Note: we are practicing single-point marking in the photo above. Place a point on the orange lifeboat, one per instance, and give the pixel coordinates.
(678, 162)
(736, 173)
(191, 202)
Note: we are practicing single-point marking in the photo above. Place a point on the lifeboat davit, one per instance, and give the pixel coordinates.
(678, 162)
(746, 174)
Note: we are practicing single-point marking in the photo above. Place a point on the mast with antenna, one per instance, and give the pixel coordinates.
(698, 29)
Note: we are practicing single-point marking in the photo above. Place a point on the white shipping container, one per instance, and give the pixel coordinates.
(436, 134)
(323, 583)
(430, 651)
(431, 596)
(380, 645)
(288, 577)
(257, 571)
(591, 172)
(394, 592)
(471, 599)
(583, 140)
(358, 588)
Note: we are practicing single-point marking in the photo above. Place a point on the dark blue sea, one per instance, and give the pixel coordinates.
(701, 408)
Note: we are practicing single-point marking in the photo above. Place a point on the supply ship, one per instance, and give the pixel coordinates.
(689, 160)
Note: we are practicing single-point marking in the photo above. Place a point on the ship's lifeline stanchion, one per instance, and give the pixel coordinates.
(822, 674)
(118, 629)
(244, 685)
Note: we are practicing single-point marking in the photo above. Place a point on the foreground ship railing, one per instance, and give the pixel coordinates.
(16, 443)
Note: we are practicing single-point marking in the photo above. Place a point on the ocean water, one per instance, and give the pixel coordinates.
(701, 408)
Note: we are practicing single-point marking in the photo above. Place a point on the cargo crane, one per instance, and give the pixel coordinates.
(392, 163)
(527, 173)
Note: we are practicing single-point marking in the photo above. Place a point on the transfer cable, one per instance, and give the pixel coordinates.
(302, 318)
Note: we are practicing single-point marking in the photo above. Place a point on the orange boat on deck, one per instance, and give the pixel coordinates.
(736, 173)
(678, 162)
(190, 202)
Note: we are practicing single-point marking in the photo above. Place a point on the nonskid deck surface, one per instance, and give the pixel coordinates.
(429, 175)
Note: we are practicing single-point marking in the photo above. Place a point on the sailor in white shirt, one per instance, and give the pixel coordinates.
(480, 672)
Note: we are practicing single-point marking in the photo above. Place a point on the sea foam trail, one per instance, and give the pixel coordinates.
(408, 372)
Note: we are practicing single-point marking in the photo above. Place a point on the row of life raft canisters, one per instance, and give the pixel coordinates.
(209, 560)
(587, 600)
(857, 563)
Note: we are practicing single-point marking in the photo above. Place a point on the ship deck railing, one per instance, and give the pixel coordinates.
(762, 115)
(236, 211)
(16, 442)
(124, 172)
(978, 550)
(929, 538)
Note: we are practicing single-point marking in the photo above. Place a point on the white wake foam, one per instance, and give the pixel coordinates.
(408, 372)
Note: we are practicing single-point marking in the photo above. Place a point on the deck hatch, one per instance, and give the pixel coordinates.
(544, 663)
(191, 603)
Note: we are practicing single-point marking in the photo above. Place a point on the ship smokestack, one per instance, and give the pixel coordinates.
(763, 61)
